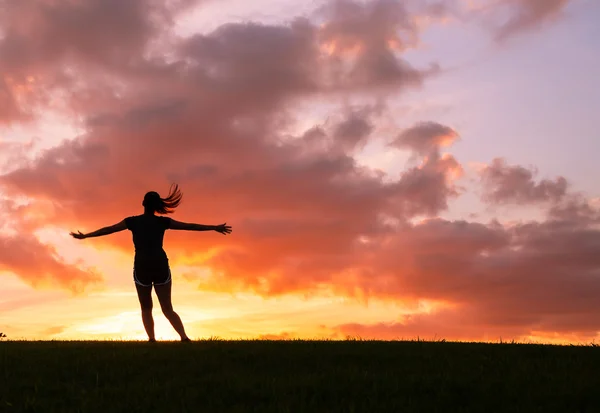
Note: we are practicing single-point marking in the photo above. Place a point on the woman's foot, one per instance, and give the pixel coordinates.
(186, 339)
(152, 340)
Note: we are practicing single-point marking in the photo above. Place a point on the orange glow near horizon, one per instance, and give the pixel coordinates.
(368, 155)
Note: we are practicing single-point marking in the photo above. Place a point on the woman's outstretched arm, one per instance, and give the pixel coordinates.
(102, 231)
(223, 228)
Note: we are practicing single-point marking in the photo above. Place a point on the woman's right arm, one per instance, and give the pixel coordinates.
(223, 229)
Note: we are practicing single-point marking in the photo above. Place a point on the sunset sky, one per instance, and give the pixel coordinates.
(391, 169)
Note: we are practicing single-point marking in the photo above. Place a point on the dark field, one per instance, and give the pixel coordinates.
(297, 376)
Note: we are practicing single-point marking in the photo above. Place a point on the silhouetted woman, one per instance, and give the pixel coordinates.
(151, 265)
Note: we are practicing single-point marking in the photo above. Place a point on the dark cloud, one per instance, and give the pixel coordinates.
(353, 132)
(426, 189)
(100, 32)
(255, 64)
(343, 132)
(575, 210)
(505, 183)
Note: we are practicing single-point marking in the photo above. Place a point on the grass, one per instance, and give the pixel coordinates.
(297, 376)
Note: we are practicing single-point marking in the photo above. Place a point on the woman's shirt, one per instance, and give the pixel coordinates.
(148, 234)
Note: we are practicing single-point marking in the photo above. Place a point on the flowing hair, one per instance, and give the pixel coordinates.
(154, 202)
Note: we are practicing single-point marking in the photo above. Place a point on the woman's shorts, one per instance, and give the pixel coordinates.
(146, 273)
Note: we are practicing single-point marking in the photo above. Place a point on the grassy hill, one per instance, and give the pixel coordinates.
(297, 376)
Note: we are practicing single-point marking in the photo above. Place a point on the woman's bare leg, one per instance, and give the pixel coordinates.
(164, 298)
(145, 297)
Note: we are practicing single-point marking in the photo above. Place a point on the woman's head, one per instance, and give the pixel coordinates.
(154, 203)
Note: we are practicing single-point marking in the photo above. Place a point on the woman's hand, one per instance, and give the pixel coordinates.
(77, 235)
(223, 229)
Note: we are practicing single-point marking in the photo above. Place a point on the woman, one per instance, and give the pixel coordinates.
(151, 265)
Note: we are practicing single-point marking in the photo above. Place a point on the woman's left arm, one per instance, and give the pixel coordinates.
(102, 231)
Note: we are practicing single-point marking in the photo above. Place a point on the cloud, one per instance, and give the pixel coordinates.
(52, 48)
(101, 32)
(427, 188)
(344, 132)
(9, 107)
(353, 131)
(372, 34)
(536, 277)
(219, 99)
(575, 211)
(86, 47)
(37, 264)
(503, 19)
(253, 63)
(505, 184)
(425, 138)
(526, 15)
(14, 153)
(55, 330)
(40, 266)
(375, 25)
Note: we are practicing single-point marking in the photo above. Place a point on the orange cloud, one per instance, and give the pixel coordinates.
(425, 138)
(39, 266)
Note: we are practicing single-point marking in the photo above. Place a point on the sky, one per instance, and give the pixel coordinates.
(390, 169)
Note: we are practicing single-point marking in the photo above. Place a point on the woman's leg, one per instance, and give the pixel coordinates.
(145, 297)
(163, 291)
